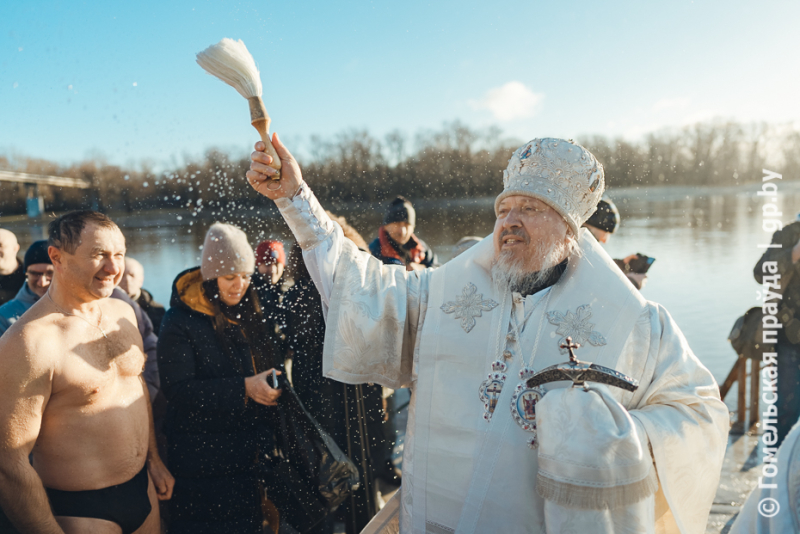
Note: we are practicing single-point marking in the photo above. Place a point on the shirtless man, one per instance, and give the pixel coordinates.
(71, 393)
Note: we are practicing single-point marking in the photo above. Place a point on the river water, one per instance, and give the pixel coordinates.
(705, 241)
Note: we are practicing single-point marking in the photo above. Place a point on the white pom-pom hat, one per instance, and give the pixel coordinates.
(560, 173)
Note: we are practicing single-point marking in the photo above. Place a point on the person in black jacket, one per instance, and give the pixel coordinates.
(215, 353)
(396, 243)
(784, 259)
(12, 272)
(353, 415)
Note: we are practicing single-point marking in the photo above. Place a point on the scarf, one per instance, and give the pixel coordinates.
(411, 252)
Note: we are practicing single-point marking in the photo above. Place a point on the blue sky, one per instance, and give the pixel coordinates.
(119, 78)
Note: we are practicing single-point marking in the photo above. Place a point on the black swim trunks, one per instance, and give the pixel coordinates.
(126, 504)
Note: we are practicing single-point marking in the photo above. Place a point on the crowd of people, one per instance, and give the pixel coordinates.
(204, 365)
(119, 415)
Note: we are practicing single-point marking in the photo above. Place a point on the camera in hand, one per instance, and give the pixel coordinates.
(640, 264)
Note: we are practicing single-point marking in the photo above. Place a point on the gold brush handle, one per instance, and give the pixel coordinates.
(259, 118)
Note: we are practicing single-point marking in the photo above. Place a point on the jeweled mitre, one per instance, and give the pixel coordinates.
(560, 173)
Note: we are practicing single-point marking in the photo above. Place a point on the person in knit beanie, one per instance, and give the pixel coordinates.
(270, 283)
(39, 271)
(396, 243)
(226, 251)
(604, 222)
(216, 353)
(271, 260)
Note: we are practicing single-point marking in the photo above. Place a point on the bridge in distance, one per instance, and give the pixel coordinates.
(34, 202)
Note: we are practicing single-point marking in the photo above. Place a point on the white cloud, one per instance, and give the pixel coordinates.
(509, 102)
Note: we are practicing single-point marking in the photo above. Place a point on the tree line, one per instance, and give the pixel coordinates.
(453, 162)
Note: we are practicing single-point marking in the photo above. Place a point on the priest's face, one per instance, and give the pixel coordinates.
(529, 235)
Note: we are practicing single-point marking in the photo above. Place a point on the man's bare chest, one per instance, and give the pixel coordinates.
(97, 370)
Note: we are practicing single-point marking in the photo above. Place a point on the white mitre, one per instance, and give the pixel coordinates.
(560, 173)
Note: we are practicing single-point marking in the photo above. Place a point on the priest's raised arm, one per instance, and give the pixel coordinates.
(372, 310)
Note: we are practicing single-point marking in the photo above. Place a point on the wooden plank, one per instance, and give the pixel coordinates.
(741, 401)
(40, 179)
(734, 373)
(755, 392)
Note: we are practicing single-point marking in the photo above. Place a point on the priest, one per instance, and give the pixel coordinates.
(484, 452)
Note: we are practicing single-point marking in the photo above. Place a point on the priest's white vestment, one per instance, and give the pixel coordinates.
(438, 332)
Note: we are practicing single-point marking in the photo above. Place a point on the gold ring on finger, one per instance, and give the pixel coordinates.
(274, 182)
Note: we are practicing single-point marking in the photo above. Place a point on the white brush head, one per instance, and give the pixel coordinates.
(230, 61)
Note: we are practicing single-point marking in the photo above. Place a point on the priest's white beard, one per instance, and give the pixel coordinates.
(525, 274)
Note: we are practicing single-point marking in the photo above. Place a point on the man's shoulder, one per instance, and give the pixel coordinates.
(118, 305)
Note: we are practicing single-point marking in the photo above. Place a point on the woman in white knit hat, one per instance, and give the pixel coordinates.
(215, 352)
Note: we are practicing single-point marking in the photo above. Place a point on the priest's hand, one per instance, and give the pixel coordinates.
(615, 470)
(260, 174)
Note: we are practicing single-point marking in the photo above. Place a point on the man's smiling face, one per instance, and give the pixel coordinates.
(96, 266)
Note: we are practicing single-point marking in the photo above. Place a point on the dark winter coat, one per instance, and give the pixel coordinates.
(214, 430)
(334, 404)
(10, 284)
(789, 308)
(271, 296)
(154, 310)
(390, 252)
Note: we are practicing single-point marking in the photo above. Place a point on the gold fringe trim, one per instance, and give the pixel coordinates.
(589, 498)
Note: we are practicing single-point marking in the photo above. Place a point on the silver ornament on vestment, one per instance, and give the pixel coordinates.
(576, 326)
(469, 305)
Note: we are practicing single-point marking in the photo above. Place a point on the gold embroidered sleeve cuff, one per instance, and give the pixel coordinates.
(305, 216)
